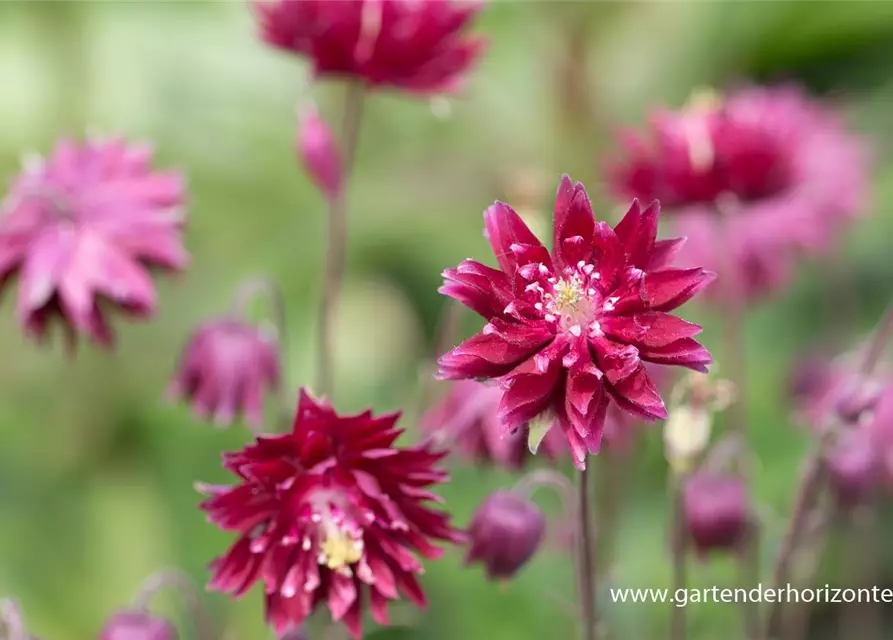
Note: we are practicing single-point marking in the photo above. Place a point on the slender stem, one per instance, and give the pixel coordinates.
(173, 578)
(336, 251)
(11, 616)
(678, 550)
(734, 314)
(813, 475)
(609, 487)
(448, 325)
(587, 565)
(246, 292)
(863, 620)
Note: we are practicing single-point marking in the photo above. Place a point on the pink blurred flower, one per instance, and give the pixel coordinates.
(417, 46)
(505, 533)
(81, 230)
(328, 512)
(137, 625)
(853, 465)
(717, 511)
(781, 168)
(227, 367)
(569, 332)
(469, 417)
(318, 150)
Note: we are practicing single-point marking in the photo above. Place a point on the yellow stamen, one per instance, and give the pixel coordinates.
(340, 549)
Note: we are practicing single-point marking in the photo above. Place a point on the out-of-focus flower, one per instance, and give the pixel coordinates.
(419, 47)
(853, 464)
(12, 624)
(137, 625)
(226, 369)
(468, 416)
(81, 229)
(569, 332)
(505, 532)
(752, 179)
(687, 430)
(717, 510)
(318, 150)
(328, 512)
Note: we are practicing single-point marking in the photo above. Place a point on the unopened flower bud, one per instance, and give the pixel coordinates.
(137, 625)
(686, 434)
(505, 532)
(717, 512)
(853, 466)
(318, 150)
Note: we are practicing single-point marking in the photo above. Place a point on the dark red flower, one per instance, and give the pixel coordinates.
(81, 229)
(717, 511)
(468, 417)
(331, 513)
(505, 533)
(751, 178)
(137, 625)
(569, 332)
(226, 369)
(420, 47)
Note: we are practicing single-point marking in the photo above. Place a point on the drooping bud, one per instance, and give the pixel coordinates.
(687, 429)
(137, 625)
(853, 465)
(717, 512)
(319, 152)
(505, 532)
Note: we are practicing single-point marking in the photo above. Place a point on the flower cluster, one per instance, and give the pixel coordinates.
(750, 178)
(569, 331)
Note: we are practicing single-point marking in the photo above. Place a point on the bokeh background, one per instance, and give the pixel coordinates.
(96, 470)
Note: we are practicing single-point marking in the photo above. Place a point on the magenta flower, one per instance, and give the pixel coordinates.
(137, 625)
(569, 332)
(468, 416)
(853, 465)
(81, 230)
(419, 47)
(226, 369)
(717, 511)
(752, 180)
(331, 513)
(504, 534)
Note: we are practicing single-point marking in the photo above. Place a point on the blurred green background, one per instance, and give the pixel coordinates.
(96, 470)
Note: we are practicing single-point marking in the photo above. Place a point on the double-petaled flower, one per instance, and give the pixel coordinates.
(751, 179)
(569, 332)
(333, 514)
(418, 47)
(82, 228)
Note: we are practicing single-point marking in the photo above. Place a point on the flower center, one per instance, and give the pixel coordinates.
(572, 301)
(340, 548)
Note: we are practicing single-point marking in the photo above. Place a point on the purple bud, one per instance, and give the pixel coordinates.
(319, 152)
(852, 464)
(505, 532)
(137, 625)
(717, 512)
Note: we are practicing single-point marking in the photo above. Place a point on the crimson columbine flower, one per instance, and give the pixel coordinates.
(751, 178)
(468, 416)
(226, 369)
(569, 332)
(420, 47)
(332, 513)
(137, 625)
(717, 511)
(504, 534)
(81, 229)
